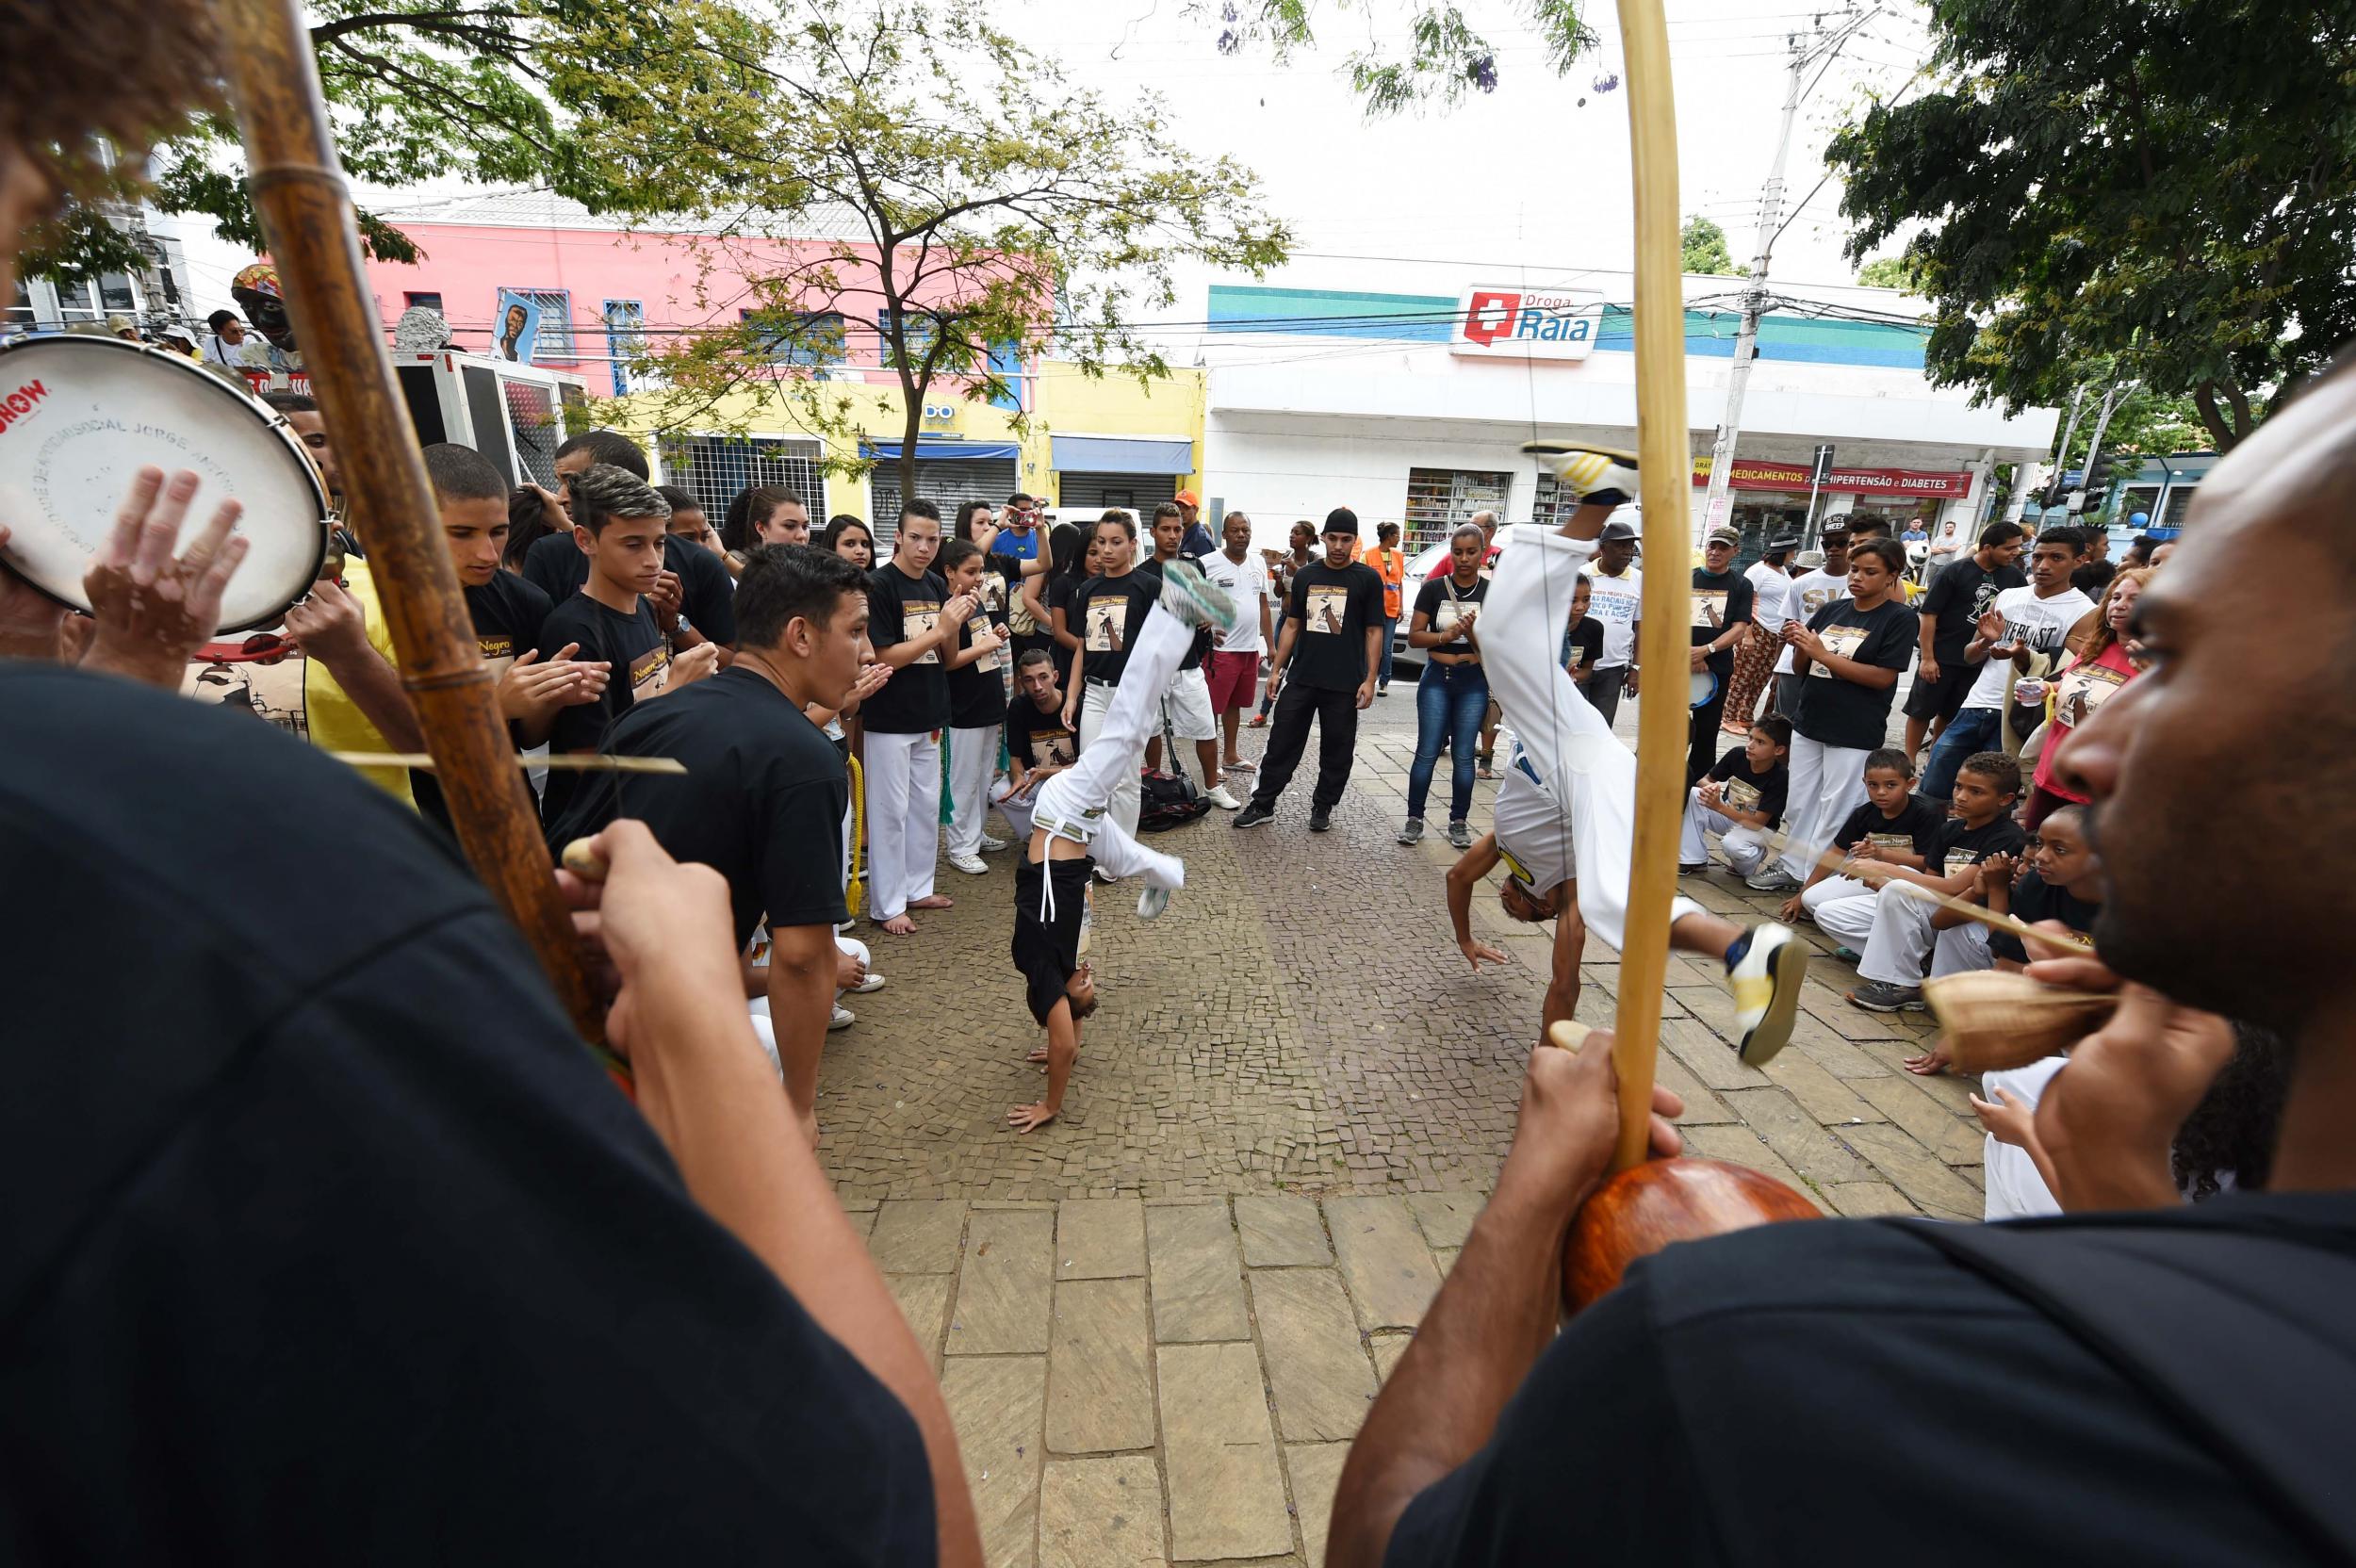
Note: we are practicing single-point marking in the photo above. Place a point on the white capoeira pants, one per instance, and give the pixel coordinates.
(1746, 847)
(1826, 784)
(1576, 759)
(973, 757)
(2016, 1189)
(1127, 798)
(1017, 811)
(1892, 929)
(766, 1031)
(1079, 803)
(903, 820)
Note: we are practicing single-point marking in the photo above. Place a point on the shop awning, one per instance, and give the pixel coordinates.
(1120, 454)
(943, 451)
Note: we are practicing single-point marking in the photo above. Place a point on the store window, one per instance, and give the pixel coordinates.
(116, 292)
(1439, 501)
(713, 469)
(431, 300)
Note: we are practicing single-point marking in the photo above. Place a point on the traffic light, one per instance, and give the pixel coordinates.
(2097, 487)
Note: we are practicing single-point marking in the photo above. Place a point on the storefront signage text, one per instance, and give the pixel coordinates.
(1753, 474)
(1528, 323)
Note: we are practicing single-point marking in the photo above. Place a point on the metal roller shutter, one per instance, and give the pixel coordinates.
(948, 484)
(1138, 493)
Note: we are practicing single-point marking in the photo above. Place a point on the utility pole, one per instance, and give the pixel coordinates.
(1805, 52)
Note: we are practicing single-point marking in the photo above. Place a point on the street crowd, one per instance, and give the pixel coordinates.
(328, 1242)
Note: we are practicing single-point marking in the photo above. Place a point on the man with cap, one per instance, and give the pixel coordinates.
(1822, 578)
(1198, 542)
(1770, 589)
(1618, 602)
(1325, 668)
(1721, 622)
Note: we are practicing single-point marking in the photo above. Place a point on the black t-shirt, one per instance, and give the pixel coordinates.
(508, 613)
(977, 693)
(761, 800)
(640, 662)
(2035, 900)
(1720, 600)
(1837, 713)
(1692, 1415)
(900, 608)
(1039, 739)
(1441, 602)
(1201, 646)
(1331, 612)
(328, 1191)
(707, 594)
(1749, 790)
(1046, 947)
(1108, 612)
(1582, 644)
(1960, 846)
(1056, 596)
(1961, 592)
(1918, 828)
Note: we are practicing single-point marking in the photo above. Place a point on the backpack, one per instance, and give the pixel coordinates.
(1168, 800)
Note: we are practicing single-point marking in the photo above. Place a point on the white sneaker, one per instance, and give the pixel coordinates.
(1221, 798)
(1151, 901)
(872, 983)
(990, 845)
(969, 864)
(1195, 598)
(1765, 978)
(843, 1018)
(1599, 476)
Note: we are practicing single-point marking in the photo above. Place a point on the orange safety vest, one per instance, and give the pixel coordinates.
(1391, 567)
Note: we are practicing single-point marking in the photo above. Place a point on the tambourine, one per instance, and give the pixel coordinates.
(80, 416)
(1703, 688)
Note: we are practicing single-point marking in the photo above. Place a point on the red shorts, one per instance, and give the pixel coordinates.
(1234, 680)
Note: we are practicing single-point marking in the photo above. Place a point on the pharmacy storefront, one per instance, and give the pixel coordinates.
(1411, 404)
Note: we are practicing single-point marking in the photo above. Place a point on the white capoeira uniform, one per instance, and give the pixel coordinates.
(764, 1029)
(1567, 769)
(1074, 804)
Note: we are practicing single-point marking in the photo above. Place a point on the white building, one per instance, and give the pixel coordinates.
(1412, 406)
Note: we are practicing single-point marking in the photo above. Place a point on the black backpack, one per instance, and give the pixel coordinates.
(1168, 800)
(2240, 1336)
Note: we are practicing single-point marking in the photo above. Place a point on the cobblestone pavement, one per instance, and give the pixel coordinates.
(1300, 1021)
(1160, 1319)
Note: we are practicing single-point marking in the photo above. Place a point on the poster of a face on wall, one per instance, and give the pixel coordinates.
(515, 328)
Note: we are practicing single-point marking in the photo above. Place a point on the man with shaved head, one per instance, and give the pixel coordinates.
(2156, 1383)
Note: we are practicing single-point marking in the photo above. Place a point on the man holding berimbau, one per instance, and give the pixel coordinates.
(2162, 1384)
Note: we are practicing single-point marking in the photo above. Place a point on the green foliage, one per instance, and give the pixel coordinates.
(604, 101)
(1706, 249)
(985, 204)
(1447, 55)
(2172, 188)
(1889, 272)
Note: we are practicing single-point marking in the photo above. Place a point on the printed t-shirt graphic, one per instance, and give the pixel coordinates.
(2084, 689)
(1328, 607)
(1841, 642)
(1108, 625)
(1710, 607)
(650, 672)
(1052, 748)
(919, 616)
(1741, 794)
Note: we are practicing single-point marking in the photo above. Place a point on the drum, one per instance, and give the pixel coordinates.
(80, 416)
(1703, 688)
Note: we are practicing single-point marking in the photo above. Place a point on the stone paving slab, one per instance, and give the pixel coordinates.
(1384, 1260)
(1004, 1290)
(1196, 1274)
(1099, 1238)
(1281, 1231)
(1316, 1365)
(997, 1404)
(1101, 1514)
(1313, 1468)
(1100, 1387)
(1226, 1489)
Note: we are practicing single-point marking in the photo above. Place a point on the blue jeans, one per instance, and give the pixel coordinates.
(1450, 701)
(1973, 730)
(1382, 670)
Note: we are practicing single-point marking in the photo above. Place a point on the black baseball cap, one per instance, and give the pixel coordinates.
(1341, 520)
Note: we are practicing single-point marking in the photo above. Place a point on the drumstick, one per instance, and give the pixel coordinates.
(564, 762)
(1832, 859)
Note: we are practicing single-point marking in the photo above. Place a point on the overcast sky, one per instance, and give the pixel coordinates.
(1521, 178)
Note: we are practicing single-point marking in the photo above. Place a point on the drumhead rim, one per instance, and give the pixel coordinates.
(272, 421)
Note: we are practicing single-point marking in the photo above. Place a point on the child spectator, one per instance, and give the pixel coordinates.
(1894, 828)
(1741, 800)
(1582, 639)
(1895, 923)
(1847, 660)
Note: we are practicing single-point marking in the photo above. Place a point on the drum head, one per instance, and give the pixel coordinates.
(80, 416)
(1701, 686)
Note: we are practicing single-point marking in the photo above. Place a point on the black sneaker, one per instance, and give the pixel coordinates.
(1320, 819)
(1252, 816)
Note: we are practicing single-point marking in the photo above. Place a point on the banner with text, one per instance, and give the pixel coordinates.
(1753, 474)
(1527, 323)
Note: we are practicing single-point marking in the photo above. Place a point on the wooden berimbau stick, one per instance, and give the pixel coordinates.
(567, 761)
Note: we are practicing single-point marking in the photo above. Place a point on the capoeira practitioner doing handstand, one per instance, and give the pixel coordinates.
(1565, 803)
(1070, 835)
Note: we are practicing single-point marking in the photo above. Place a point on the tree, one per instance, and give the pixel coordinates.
(999, 213)
(1706, 249)
(1445, 57)
(603, 100)
(2172, 187)
(1889, 272)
